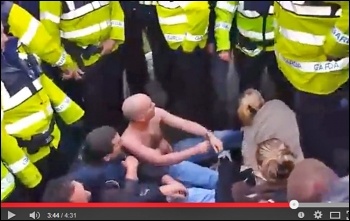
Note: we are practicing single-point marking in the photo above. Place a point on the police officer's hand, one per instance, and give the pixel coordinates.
(225, 56)
(107, 46)
(74, 73)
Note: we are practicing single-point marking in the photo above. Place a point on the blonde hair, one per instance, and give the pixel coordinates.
(275, 160)
(250, 103)
(252, 98)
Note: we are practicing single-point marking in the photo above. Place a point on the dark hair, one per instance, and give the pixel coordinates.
(59, 190)
(98, 144)
(91, 155)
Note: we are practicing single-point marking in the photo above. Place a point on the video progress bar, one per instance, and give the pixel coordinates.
(294, 204)
(324, 205)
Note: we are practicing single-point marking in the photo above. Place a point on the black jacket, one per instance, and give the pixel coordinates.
(132, 192)
(236, 186)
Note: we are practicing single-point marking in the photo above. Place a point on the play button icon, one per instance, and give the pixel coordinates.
(10, 215)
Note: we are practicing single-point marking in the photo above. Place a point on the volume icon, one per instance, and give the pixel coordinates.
(34, 215)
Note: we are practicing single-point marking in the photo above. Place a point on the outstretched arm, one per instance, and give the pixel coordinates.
(182, 124)
(190, 127)
(149, 155)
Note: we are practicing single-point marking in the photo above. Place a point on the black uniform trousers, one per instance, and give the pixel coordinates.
(138, 19)
(99, 93)
(188, 84)
(250, 70)
(324, 129)
(103, 92)
(133, 54)
(141, 19)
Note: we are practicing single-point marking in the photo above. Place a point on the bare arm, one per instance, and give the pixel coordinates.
(182, 124)
(152, 156)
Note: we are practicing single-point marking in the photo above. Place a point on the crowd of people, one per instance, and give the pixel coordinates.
(69, 133)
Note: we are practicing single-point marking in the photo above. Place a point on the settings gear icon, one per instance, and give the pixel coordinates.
(318, 214)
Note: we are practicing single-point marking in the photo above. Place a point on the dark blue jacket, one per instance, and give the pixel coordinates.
(260, 6)
(94, 177)
(132, 191)
(144, 14)
(99, 178)
(10, 51)
(17, 73)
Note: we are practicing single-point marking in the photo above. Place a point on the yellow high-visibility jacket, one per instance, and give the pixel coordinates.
(312, 44)
(34, 35)
(249, 24)
(29, 103)
(84, 23)
(184, 23)
(17, 162)
(7, 182)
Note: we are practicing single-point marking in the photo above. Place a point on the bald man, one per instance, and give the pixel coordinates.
(143, 138)
(322, 183)
(265, 120)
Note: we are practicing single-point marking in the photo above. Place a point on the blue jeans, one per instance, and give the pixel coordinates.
(231, 139)
(193, 175)
(199, 195)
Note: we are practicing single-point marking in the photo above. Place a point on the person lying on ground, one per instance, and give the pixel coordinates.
(322, 183)
(102, 162)
(275, 162)
(265, 120)
(143, 139)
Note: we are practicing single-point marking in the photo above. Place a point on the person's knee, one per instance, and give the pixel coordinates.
(230, 138)
(187, 143)
(194, 175)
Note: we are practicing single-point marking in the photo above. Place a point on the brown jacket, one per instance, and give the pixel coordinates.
(274, 120)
